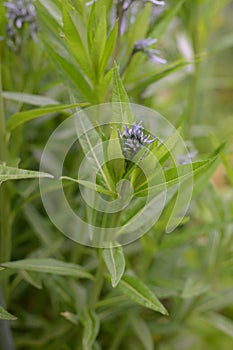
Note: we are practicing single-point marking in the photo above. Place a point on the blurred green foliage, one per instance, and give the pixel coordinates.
(189, 271)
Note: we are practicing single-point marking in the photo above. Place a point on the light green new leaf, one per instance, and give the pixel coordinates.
(91, 324)
(109, 47)
(23, 117)
(121, 104)
(4, 315)
(138, 291)
(10, 173)
(142, 330)
(115, 262)
(115, 156)
(97, 31)
(52, 266)
(30, 99)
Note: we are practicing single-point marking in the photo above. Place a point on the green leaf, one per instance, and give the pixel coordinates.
(33, 278)
(115, 262)
(89, 140)
(10, 173)
(52, 266)
(23, 117)
(70, 72)
(116, 159)
(121, 106)
(142, 84)
(138, 29)
(75, 43)
(30, 99)
(193, 287)
(202, 178)
(103, 87)
(137, 291)
(91, 323)
(109, 47)
(4, 315)
(160, 26)
(73, 318)
(179, 174)
(90, 185)
(97, 30)
(219, 322)
(142, 330)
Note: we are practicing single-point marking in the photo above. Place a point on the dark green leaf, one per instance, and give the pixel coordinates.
(23, 117)
(52, 266)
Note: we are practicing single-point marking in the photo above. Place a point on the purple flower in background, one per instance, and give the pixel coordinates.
(156, 2)
(143, 46)
(20, 13)
(133, 140)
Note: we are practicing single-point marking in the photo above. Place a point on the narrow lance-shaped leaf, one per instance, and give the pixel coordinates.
(121, 106)
(109, 47)
(178, 175)
(70, 73)
(142, 330)
(75, 43)
(160, 27)
(97, 27)
(144, 82)
(10, 173)
(219, 322)
(29, 98)
(115, 156)
(90, 140)
(52, 266)
(5, 315)
(23, 117)
(91, 324)
(115, 262)
(90, 185)
(137, 291)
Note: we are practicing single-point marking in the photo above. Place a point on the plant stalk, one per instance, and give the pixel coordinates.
(5, 237)
(97, 286)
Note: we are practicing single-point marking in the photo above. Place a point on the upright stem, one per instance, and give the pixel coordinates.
(3, 148)
(6, 339)
(120, 13)
(192, 116)
(5, 243)
(97, 286)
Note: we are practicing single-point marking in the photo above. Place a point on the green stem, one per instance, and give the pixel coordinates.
(3, 148)
(119, 335)
(6, 339)
(5, 243)
(120, 13)
(97, 286)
